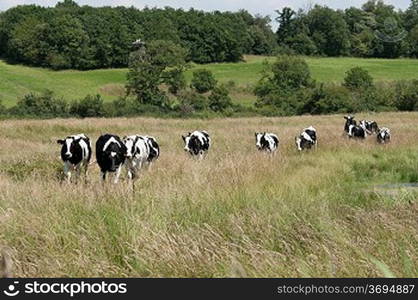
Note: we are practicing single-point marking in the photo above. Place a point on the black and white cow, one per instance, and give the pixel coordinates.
(76, 154)
(383, 136)
(268, 142)
(140, 151)
(197, 143)
(110, 155)
(349, 121)
(371, 126)
(307, 139)
(357, 131)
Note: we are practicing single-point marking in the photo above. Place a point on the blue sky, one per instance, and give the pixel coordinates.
(263, 7)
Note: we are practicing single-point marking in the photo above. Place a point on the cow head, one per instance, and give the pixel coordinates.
(258, 137)
(130, 142)
(383, 134)
(349, 121)
(68, 146)
(186, 140)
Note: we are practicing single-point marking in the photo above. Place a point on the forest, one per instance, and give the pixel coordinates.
(69, 36)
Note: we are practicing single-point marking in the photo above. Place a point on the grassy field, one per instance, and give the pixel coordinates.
(17, 80)
(238, 213)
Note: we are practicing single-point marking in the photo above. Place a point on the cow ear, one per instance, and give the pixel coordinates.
(345, 117)
(183, 137)
(61, 142)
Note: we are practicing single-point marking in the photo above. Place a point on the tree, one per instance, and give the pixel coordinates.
(30, 42)
(203, 81)
(67, 4)
(175, 80)
(329, 31)
(219, 99)
(69, 42)
(413, 41)
(358, 79)
(43, 105)
(407, 95)
(281, 83)
(152, 65)
(191, 101)
(90, 106)
(284, 19)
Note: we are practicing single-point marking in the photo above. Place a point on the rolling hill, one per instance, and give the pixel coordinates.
(18, 80)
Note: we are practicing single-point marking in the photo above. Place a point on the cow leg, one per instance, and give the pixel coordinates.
(86, 171)
(117, 174)
(103, 176)
(67, 171)
(131, 173)
(77, 170)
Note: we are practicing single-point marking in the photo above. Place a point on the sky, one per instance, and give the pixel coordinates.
(263, 7)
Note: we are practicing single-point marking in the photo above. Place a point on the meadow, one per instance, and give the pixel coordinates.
(18, 80)
(238, 213)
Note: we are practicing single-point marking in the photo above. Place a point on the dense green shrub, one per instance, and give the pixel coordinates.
(203, 81)
(281, 83)
(151, 66)
(326, 99)
(219, 100)
(407, 95)
(358, 78)
(176, 81)
(43, 105)
(191, 101)
(90, 106)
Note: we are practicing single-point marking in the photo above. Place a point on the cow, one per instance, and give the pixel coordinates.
(110, 155)
(268, 142)
(140, 151)
(383, 136)
(349, 121)
(371, 126)
(76, 154)
(307, 139)
(357, 131)
(197, 143)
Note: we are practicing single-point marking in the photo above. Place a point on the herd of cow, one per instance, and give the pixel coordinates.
(136, 152)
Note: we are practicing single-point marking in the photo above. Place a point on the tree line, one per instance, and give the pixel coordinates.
(374, 30)
(83, 37)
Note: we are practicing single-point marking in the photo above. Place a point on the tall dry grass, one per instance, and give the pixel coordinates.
(236, 214)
